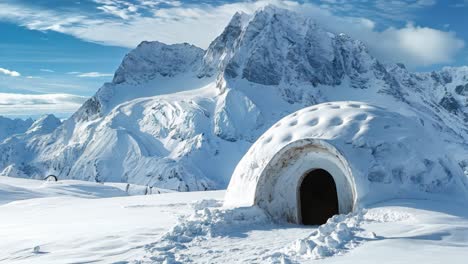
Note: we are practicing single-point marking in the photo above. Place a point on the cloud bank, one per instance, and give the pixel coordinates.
(94, 75)
(26, 105)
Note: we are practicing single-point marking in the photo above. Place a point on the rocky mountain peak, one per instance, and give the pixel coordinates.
(44, 125)
(277, 46)
(10, 127)
(151, 59)
(222, 48)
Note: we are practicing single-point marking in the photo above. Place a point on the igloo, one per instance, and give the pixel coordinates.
(51, 178)
(335, 157)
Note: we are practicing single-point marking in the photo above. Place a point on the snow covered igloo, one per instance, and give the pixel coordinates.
(335, 157)
(51, 178)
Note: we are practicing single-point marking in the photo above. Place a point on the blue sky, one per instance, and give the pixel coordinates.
(52, 47)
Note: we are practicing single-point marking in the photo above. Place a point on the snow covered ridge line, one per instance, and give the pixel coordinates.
(173, 111)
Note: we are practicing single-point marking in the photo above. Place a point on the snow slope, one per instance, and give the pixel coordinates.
(173, 111)
(71, 227)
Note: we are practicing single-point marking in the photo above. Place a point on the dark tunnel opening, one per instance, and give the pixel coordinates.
(318, 197)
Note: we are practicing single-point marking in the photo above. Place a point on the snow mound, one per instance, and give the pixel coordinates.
(373, 154)
(340, 234)
(208, 220)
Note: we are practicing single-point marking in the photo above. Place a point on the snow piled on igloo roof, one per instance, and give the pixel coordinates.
(388, 155)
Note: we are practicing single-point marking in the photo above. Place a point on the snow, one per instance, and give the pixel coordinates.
(80, 221)
(14, 189)
(44, 125)
(335, 237)
(106, 226)
(9, 127)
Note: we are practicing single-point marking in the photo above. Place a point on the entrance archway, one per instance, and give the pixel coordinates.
(51, 178)
(277, 188)
(318, 197)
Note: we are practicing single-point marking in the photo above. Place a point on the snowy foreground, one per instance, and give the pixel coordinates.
(82, 222)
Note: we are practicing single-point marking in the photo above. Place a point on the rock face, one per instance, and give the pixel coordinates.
(179, 117)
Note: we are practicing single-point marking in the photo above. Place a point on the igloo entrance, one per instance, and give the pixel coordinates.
(318, 199)
(276, 189)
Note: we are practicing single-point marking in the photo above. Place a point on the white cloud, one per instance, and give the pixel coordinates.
(89, 74)
(197, 24)
(9, 72)
(116, 11)
(46, 70)
(38, 104)
(425, 45)
(94, 75)
(200, 24)
(40, 99)
(118, 8)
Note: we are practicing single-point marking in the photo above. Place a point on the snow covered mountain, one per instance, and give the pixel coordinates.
(9, 127)
(179, 117)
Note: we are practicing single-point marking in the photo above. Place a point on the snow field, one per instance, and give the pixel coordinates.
(77, 225)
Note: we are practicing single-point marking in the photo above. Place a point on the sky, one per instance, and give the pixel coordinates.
(54, 54)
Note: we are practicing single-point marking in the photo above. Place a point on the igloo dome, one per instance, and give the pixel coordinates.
(335, 157)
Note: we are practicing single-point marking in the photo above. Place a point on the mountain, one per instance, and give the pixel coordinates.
(44, 125)
(179, 117)
(9, 127)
